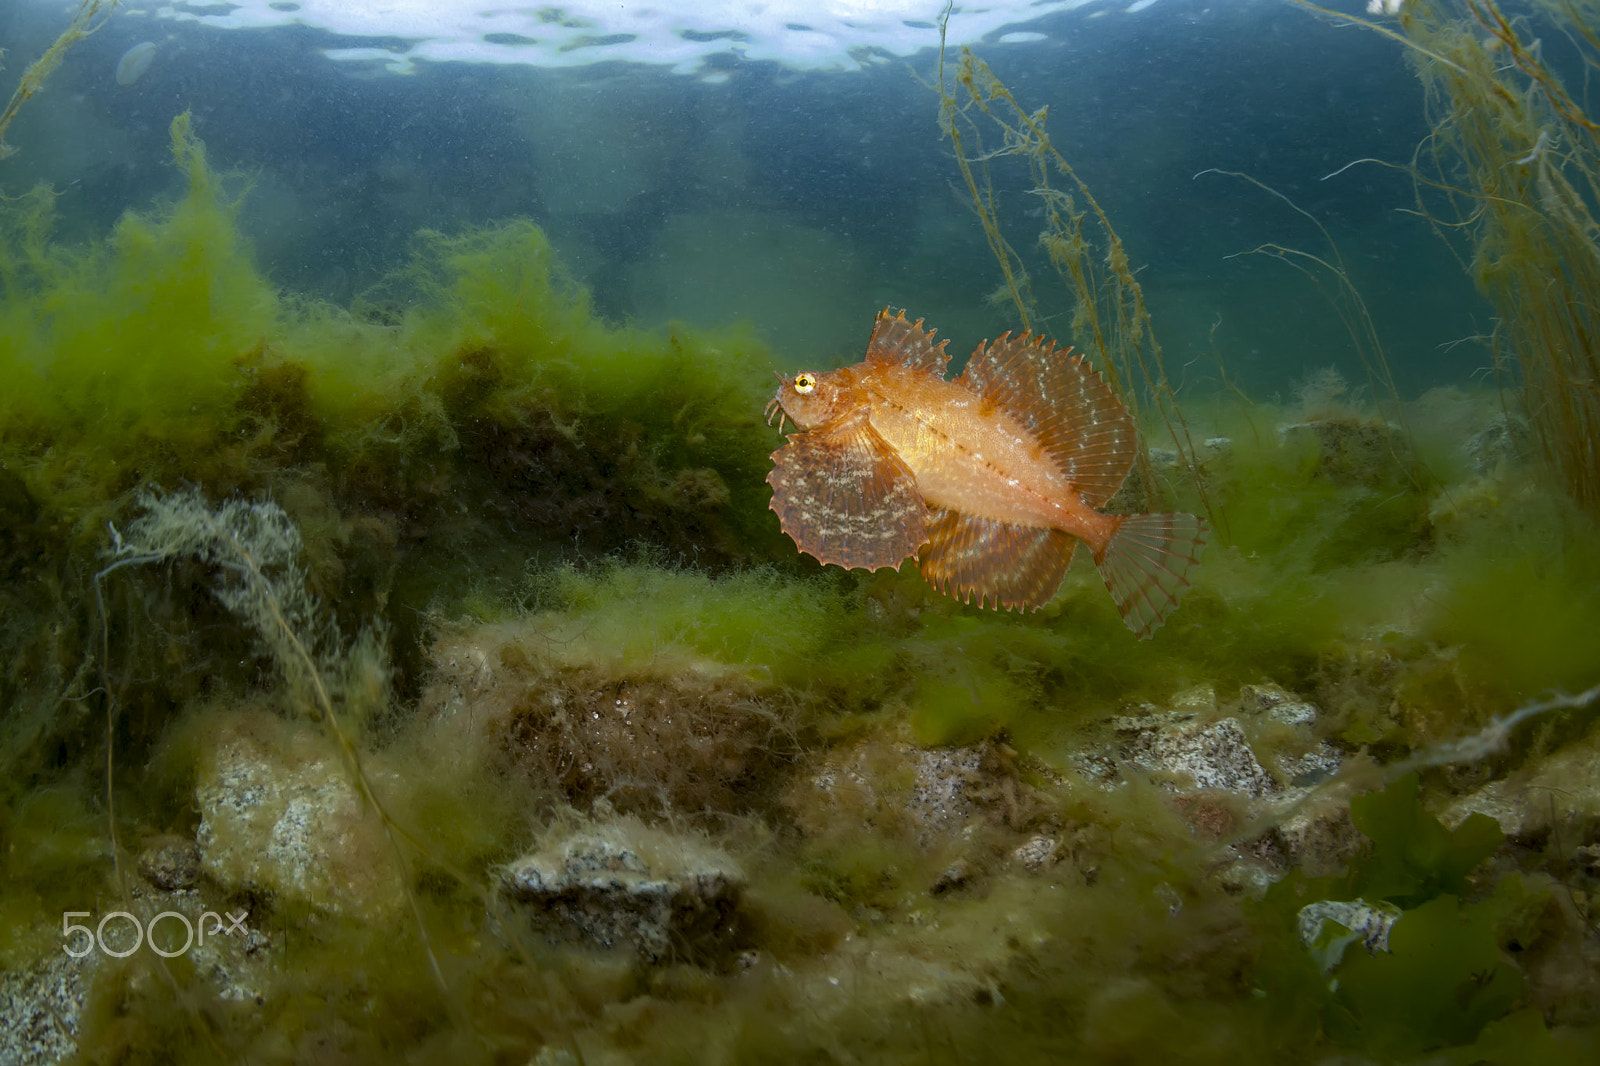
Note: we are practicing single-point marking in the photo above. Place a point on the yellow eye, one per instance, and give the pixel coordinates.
(804, 382)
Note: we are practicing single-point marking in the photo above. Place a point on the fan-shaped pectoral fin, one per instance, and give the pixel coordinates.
(846, 497)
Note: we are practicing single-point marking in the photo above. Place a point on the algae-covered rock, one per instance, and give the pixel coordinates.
(942, 798)
(57, 1005)
(1197, 742)
(1278, 705)
(170, 862)
(884, 821)
(1299, 758)
(1037, 853)
(39, 1009)
(651, 692)
(1317, 834)
(1350, 449)
(1210, 755)
(1504, 442)
(625, 883)
(936, 795)
(1559, 789)
(278, 814)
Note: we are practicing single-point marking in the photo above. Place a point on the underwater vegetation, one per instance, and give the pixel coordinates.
(90, 16)
(448, 640)
(1109, 319)
(1511, 178)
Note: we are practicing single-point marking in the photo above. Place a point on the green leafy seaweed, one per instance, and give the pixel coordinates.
(1414, 858)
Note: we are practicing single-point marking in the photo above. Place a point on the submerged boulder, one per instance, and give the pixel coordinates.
(666, 895)
(279, 814)
(1559, 790)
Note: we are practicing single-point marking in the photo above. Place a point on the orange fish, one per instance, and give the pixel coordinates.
(991, 480)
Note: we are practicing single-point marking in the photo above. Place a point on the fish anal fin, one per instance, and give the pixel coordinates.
(898, 342)
(846, 497)
(995, 563)
(1078, 420)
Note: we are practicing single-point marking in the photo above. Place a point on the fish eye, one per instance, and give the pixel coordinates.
(804, 382)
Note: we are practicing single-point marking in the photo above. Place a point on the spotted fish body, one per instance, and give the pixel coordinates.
(990, 480)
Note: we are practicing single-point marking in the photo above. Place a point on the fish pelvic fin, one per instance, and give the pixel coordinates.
(995, 563)
(896, 342)
(845, 496)
(1078, 419)
(1148, 564)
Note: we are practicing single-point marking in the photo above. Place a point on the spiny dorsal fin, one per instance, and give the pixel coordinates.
(845, 497)
(1070, 408)
(902, 343)
(996, 563)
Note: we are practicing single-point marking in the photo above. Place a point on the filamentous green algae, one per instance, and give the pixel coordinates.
(445, 644)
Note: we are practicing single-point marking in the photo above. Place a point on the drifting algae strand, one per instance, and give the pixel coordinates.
(1109, 316)
(83, 24)
(1508, 178)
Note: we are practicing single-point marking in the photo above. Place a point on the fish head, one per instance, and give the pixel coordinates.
(809, 399)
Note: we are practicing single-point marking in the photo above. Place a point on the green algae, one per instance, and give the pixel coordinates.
(1440, 982)
(1522, 1039)
(462, 455)
(755, 621)
(1525, 596)
(1441, 976)
(114, 350)
(1413, 857)
(166, 345)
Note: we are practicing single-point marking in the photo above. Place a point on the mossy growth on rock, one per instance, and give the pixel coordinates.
(359, 606)
(469, 415)
(645, 689)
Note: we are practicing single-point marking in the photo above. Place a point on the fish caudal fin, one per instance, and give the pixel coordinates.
(1147, 566)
